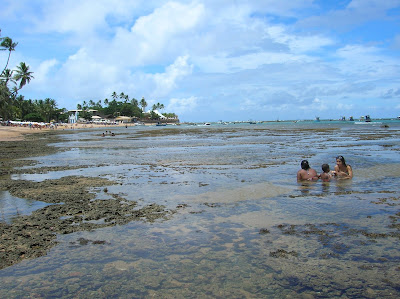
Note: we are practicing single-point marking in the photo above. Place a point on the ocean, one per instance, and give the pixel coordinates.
(240, 226)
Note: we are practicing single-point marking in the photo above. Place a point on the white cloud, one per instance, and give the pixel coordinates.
(165, 82)
(157, 37)
(313, 106)
(298, 43)
(81, 17)
(182, 105)
(255, 55)
(43, 71)
(82, 77)
(343, 106)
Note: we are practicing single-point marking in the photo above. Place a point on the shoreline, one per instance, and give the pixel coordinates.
(16, 133)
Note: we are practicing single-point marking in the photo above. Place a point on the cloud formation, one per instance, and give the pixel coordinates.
(210, 60)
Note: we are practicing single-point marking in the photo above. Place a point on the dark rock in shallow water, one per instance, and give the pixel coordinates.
(73, 207)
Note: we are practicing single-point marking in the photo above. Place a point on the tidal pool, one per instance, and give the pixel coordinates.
(240, 224)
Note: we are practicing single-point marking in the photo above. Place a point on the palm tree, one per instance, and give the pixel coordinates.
(6, 76)
(143, 103)
(98, 104)
(5, 101)
(14, 91)
(47, 108)
(114, 95)
(134, 102)
(23, 74)
(106, 102)
(8, 45)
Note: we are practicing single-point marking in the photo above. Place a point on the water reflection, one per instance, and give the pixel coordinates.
(325, 187)
(11, 206)
(305, 187)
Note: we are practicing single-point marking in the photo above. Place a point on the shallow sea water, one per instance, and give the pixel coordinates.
(243, 227)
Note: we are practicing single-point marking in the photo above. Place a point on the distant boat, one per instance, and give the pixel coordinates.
(207, 124)
(160, 124)
(317, 118)
(366, 120)
(351, 118)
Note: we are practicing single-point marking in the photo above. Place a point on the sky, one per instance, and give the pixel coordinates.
(211, 60)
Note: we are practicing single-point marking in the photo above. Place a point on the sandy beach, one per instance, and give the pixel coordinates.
(15, 133)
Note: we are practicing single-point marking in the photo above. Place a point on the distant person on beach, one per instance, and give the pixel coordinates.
(326, 174)
(343, 170)
(306, 173)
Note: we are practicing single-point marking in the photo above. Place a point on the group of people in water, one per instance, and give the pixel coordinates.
(107, 133)
(341, 171)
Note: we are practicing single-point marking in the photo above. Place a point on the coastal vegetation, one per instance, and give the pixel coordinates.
(121, 105)
(14, 106)
(9, 99)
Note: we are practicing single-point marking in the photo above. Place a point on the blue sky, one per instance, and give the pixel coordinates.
(211, 60)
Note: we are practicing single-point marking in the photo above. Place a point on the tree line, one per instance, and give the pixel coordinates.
(120, 105)
(13, 106)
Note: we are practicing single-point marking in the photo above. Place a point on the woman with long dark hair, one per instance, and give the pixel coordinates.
(343, 170)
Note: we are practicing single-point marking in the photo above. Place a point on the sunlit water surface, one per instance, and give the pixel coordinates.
(243, 227)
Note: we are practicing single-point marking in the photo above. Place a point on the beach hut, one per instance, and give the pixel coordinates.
(123, 119)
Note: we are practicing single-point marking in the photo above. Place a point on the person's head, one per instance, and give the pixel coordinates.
(325, 168)
(304, 165)
(340, 160)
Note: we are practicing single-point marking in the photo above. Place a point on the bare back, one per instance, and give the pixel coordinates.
(307, 175)
(326, 176)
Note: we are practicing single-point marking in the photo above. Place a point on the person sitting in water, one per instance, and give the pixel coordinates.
(326, 175)
(306, 173)
(342, 170)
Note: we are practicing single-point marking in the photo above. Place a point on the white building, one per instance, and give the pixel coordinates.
(74, 115)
